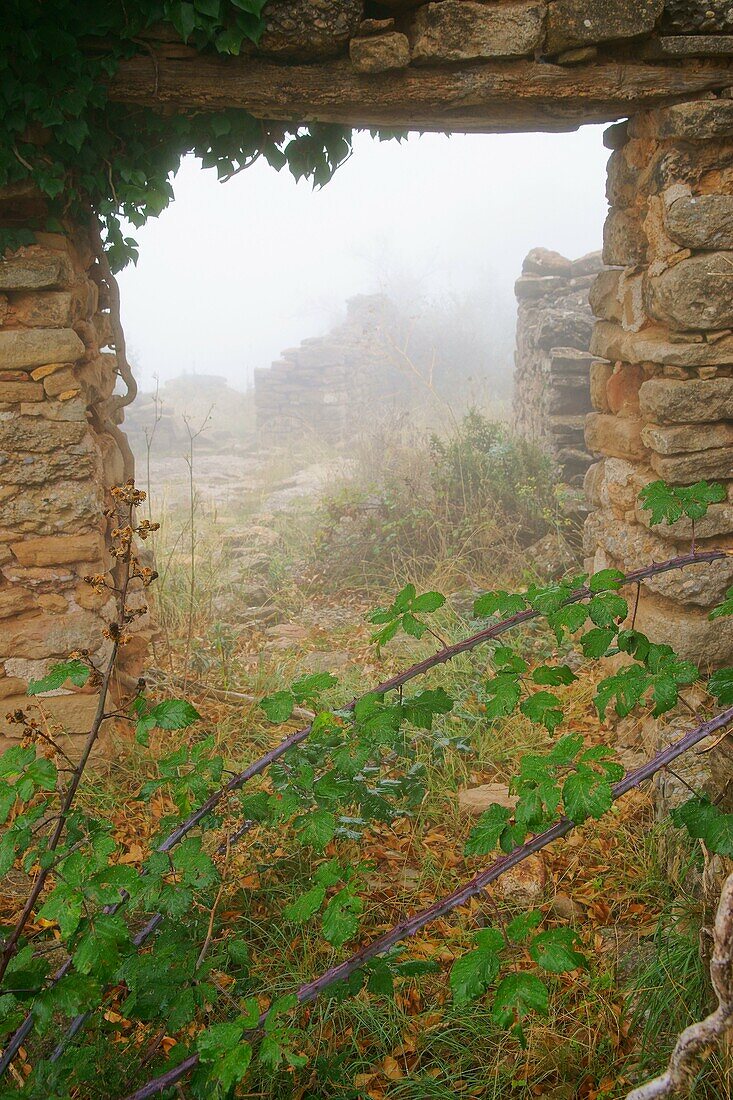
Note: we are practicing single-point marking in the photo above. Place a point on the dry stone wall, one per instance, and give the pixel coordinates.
(57, 454)
(663, 386)
(552, 360)
(328, 383)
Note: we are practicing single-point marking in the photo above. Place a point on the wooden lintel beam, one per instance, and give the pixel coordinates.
(492, 96)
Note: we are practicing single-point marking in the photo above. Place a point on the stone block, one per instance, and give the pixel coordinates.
(308, 30)
(653, 345)
(74, 713)
(699, 120)
(543, 261)
(43, 635)
(15, 601)
(687, 630)
(622, 389)
(532, 287)
(600, 372)
(59, 549)
(35, 268)
(380, 53)
(696, 293)
(25, 349)
(462, 30)
(22, 433)
(680, 438)
(632, 546)
(622, 483)
(48, 309)
(76, 463)
(624, 240)
(21, 391)
(604, 296)
(616, 436)
(686, 469)
(572, 23)
(61, 382)
(50, 509)
(701, 221)
(697, 400)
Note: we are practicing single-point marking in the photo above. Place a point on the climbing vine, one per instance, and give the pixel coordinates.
(60, 131)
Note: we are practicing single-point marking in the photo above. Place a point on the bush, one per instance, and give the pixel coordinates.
(416, 504)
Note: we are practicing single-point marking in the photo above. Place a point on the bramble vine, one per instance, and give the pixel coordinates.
(154, 933)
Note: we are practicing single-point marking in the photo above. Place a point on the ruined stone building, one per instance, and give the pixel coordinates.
(661, 380)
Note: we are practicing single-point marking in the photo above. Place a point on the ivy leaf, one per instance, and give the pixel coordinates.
(75, 671)
(586, 794)
(554, 950)
(706, 822)
(484, 836)
(279, 706)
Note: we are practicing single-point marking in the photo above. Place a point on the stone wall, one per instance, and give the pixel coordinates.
(328, 383)
(552, 361)
(664, 395)
(57, 455)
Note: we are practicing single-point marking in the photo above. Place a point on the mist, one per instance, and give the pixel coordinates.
(232, 274)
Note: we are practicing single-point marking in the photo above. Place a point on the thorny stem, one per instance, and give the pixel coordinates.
(311, 990)
(10, 945)
(395, 683)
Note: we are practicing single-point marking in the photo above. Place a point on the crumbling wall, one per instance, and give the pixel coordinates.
(58, 452)
(552, 361)
(328, 383)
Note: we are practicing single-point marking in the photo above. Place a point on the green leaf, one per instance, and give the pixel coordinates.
(473, 973)
(720, 686)
(595, 642)
(503, 693)
(586, 794)
(518, 995)
(520, 928)
(706, 822)
(279, 706)
(553, 676)
(303, 908)
(503, 603)
(724, 609)
(607, 608)
(341, 917)
(316, 829)
(484, 836)
(428, 602)
(76, 671)
(543, 708)
(555, 951)
(606, 579)
(174, 714)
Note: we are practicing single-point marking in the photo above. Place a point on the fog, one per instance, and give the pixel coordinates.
(233, 273)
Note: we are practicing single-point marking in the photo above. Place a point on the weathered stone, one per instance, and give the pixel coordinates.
(60, 549)
(531, 287)
(632, 546)
(380, 53)
(33, 347)
(61, 382)
(34, 268)
(44, 635)
(73, 713)
(51, 509)
(701, 221)
(543, 261)
(688, 45)
(73, 409)
(616, 436)
(687, 437)
(20, 391)
(50, 309)
(462, 30)
(14, 601)
(600, 372)
(525, 883)
(700, 120)
(610, 341)
(672, 401)
(622, 389)
(604, 295)
(579, 56)
(694, 294)
(21, 433)
(622, 483)
(624, 241)
(718, 520)
(53, 603)
(308, 30)
(686, 469)
(75, 463)
(688, 630)
(572, 23)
